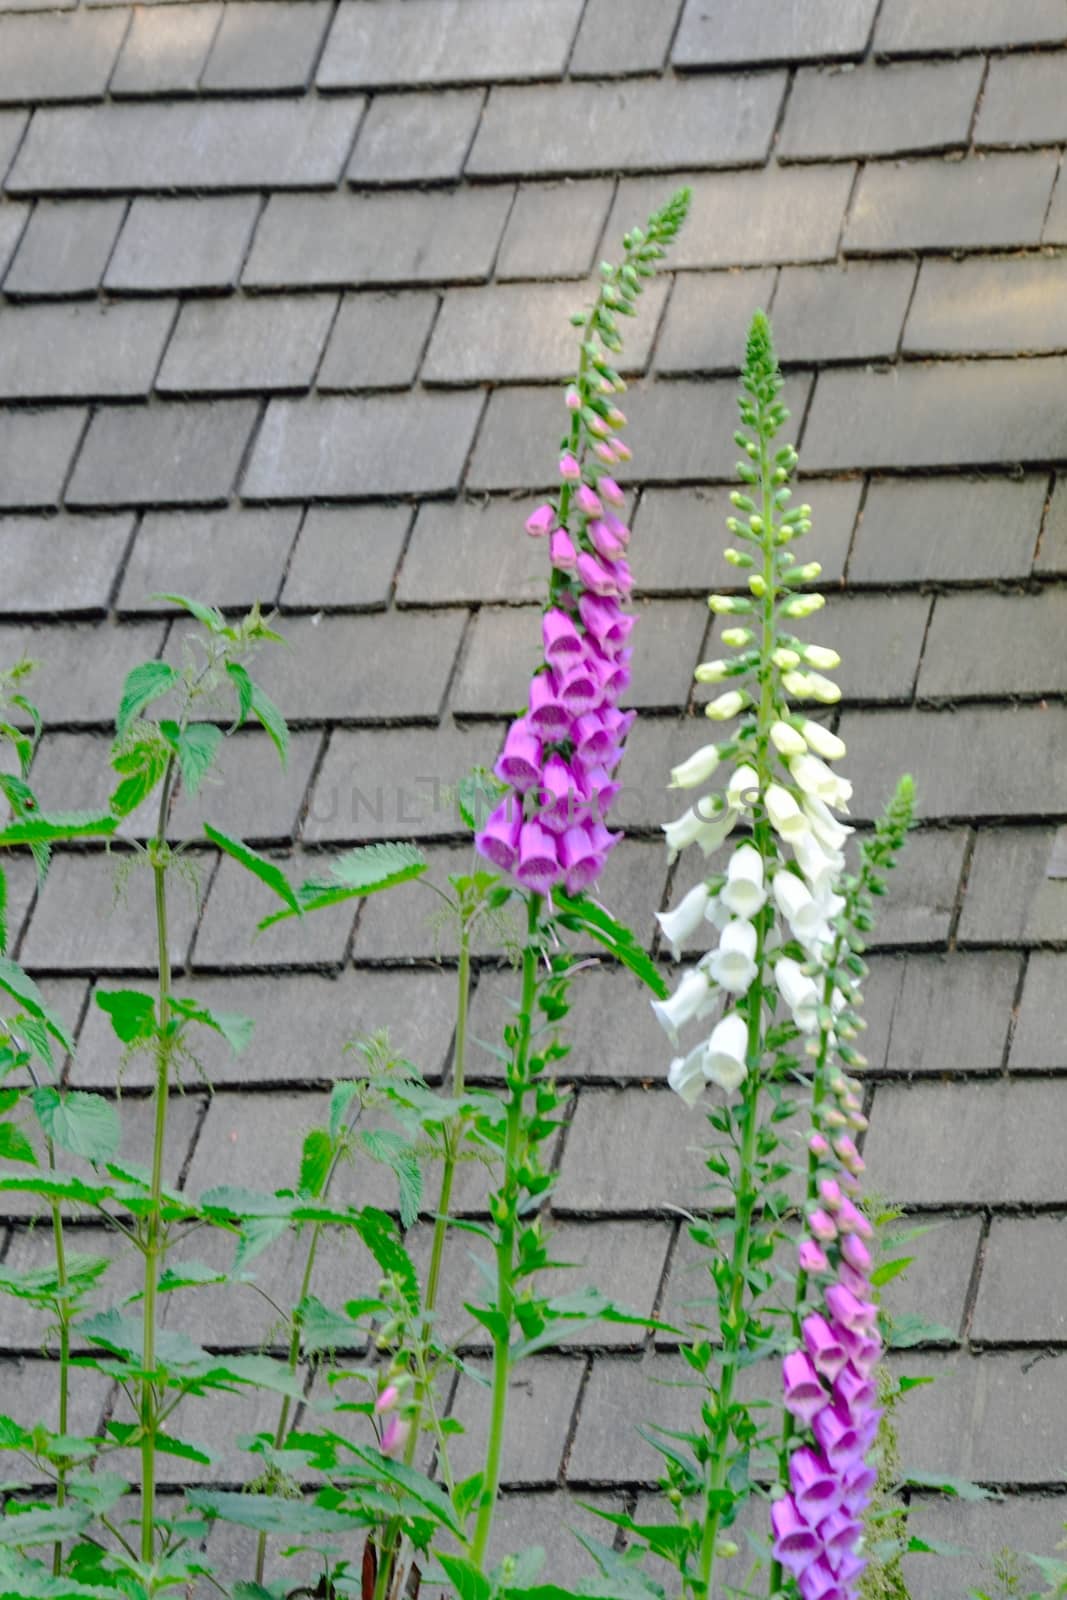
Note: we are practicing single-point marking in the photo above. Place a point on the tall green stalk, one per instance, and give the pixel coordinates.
(506, 1227)
(63, 1312)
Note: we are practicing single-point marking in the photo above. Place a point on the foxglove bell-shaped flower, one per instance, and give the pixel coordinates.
(733, 964)
(685, 1075)
(689, 1000)
(744, 893)
(786, 817)
(800, 993)
(822, 741)
(725, 1055)
(696, 769)
(683, 922)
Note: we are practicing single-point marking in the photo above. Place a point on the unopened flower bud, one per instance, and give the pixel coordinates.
(573, 399)
(736, 638)
(711, 671)
(803, 605)
(786, 740)
(569, 469)
(727, 705)
(817, 655)
(786, 659)
(738, 558)
(724, 604)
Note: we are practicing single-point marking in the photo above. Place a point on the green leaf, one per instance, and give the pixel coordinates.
(393, 1150)
(133, 1014)
(381, 1236)
(364, 871)
(582, 915)
(22, 1579)
(190, 1275)
(268, 872)
(235, 1029)
(961, 1488)
(140, 768)
(886, 1271)
(46, 829)
(212, 619)
(267, 1513)
(42, 1526)
(315, 1162)
(911, 1329)
(21, 987)
(324, 1329)
(148, 682)
(14, 1145)
(242, 687)
(85, 1124)
(476, 796)
(196, 748)
(411, 1482)
(254, 701)
(469, 1582)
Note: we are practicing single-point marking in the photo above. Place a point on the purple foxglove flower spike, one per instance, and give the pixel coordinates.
(519, 763)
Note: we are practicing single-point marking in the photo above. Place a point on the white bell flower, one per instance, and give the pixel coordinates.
(823, 742)
(716, 823)
(800, 993)
(733, 964)
(686, 1075)
(798, 905)
(688, 1001)
(683, 831)
(681, 923)
(743, 787)
(821, 867)
(696, 769)
(743, 892)
(816, 779)
(785, 815)
(724, 1055)
(824, 825)
(786, 740)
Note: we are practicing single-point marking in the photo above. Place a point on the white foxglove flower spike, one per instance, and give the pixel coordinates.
(688, 915)
(744, 893)
(733, 964)
(725, 1054)
(688, 1002)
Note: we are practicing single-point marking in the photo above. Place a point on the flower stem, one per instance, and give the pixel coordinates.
(153, 1228)
(505, 1248)
(63, 1311)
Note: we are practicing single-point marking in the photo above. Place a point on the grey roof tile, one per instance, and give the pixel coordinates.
(553, 229)
(378, 341)
(949, 205)
(410, 924)
(523, 332)
(992, 645)
(748, 219)
(13, 219)
(247, 793)
(346, 556)
(63, 352)
(1038, 1039)
(62, 564)
(748, 31)
(623, 36)
(419, 42)
(939, 1014)
(1055, 230)
(935, 1286)
(12, 127)
(879, 110)
(995, 305)
(620, 1393)
(1022, 102)
(541, 1400)
(245, 550)
(1051, 557)
(112, 932)
(880, 641)
(947, 530)
(471, 550)
(160, 146)
(264, 46)
(388, 445)
(248, 345)
(36, 450)
(634, 1150)
(577, 127)
(83, 666)
(58, 57)
(379, 238)
(172, 244)
(227, 938)
(166, 48)
(700, 333)
(980, 1533)
(842, 313)
(65, 248)
(407, 138)
(910, 26)
(1021, 1293)
(1011, 899)
(21, 879)
(75, 769)
(162, 455)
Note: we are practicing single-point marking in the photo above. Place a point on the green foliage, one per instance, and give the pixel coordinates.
(367, 870)
(580, 915)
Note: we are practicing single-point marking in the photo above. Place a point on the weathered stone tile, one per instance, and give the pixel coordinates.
(922, 205)
(925, 885)
(36, 449)
(12, 127)
(939, 1014)
(967, 1143)
(553, 229)
(1022, 102)
(267, 46)
(165, 49)
(1000, 306)
(910, 27)
(1055, 231)
(357, 447)
(244, 550)
(72, 771)
(114, 929)
(947, 530)
(631, 1150)
(652, 124)
(622, 36)
(511, 334)
(83, 667)
(1018, 1418)
(1011, 899)
(1021, 1294)
(390, 783)
(34, 1384)
(159, 146)
(880, 642)
(215, 1422)
(368, 239)
(841, 313)
(750, 31)
(541, 1400)
(248, 794)
(707, 311)
(995, 644)
(302, 1025)
(407, 138)
(377, 341)
(1038, 1040)
(58, 57)
(21, 880)
(33, 1250)
(473, 550)
(938, 414)
(620, 1393)
(880, 111)
(981, 1532)
(194, 244)
(527, 1520)
(162, 454)
(991, 762)
(1051, 557)
(66, 351)
(741, 219)
(62, 564)
(346, 556)
(409, 923)
(934, 1287)
(246, 346)
(13, 219)
(65, 248)
(228, 935)
(419, 42)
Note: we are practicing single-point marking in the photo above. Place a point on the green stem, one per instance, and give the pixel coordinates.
(452, 1131)
(153, 1229)
(63, 1310)
(505, 1248)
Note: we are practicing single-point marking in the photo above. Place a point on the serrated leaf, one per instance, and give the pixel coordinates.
(196, 748)
(316, 1159)
(476, 795)
(211, 619)
(21, 987)
(367, 870)
(190, 1275)
(148, 682)
(267, 1513)
(14, 1145)
(910, 1329)
(582, 915)
(268, 872)
(42, 1527)
(381, 1236)
(242, 688)
(272, 721)
(886, 1271)
(133, 1014)
(393, 1150)
(235, 1029)
(85, 1124)
(324, 1329)
(140, 768)
(47, 829)
(962, 1488)
(469, 1582)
